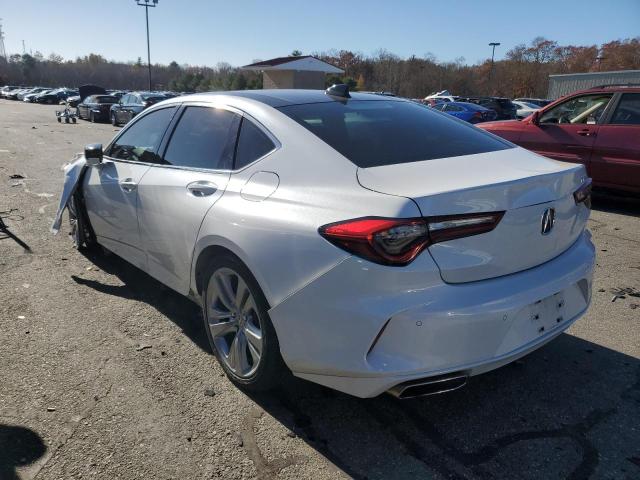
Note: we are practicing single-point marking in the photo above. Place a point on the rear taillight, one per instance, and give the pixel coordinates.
(398, 241)
(583, 194)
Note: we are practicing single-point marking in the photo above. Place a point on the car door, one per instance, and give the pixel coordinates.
(615, 162)
(567, 131)
(111, 188)
(82, 108)
(134, 106)
(175, 196)
(118, 109)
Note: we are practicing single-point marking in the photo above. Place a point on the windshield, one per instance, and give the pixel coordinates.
(375, 133)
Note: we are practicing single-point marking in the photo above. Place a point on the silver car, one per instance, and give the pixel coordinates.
(362, 242)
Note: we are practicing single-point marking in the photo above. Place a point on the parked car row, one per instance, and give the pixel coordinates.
(119, 107)
(504, 108)
(37, 94)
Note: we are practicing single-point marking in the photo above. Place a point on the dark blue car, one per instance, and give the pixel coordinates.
(469, 112)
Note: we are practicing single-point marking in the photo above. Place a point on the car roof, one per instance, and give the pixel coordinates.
(283, 97)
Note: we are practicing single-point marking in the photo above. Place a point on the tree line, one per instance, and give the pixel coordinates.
(524, 71)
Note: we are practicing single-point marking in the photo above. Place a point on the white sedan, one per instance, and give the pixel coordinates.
(524, 108)
(362, 242)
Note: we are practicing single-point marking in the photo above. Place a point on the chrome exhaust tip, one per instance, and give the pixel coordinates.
(429, 386)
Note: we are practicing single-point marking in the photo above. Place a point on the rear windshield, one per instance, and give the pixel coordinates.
(376, 133)
(106, 99)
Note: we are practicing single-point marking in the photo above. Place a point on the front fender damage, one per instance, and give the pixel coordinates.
(73, 174)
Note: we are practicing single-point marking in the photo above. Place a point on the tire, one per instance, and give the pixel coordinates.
(59, 120)
(73, 119)
(114, 122)
(241, 323)
(80, 231)
(92, 117)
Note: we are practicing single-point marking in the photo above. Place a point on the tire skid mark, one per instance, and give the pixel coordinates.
(576, 432)
(266, 469)
(432, 459)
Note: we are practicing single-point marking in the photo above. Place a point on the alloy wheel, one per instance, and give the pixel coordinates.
(234, 322)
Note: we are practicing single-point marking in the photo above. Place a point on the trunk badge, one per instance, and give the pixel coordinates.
(548, 219)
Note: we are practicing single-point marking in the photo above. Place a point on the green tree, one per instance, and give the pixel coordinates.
(296, 53)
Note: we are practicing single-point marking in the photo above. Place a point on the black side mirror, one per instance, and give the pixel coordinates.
(93, 154)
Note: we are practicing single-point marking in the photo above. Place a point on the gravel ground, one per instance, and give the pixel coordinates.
(104, 373)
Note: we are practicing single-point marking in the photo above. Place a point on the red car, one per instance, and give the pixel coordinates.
(599, 128)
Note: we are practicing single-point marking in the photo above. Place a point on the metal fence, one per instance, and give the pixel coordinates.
(560, 85)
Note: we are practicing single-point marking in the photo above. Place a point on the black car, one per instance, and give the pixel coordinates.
(96, 107)
(505, 109)
(55, 96)
(132, 104)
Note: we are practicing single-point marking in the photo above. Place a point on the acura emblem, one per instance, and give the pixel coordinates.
(548, 217)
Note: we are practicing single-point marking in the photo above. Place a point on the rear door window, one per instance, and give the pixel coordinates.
(140, 141)
(628, 110)
(204, 138)
(373, 133)
(253, 144)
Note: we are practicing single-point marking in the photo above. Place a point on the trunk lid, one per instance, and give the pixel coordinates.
(520, 183)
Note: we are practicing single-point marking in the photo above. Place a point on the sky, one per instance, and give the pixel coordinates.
(201, 32)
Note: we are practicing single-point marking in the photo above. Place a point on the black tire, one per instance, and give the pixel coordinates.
(114, 122)
(66, 119)
(59, 120)
(80, 231)
(73, 119)
(271, 368)
(92, 117)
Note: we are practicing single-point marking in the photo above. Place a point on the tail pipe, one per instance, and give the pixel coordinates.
(429, 386)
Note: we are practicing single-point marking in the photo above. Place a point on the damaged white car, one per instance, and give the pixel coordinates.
(362, 242)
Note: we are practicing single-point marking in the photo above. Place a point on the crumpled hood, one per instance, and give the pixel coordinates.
(87, 90)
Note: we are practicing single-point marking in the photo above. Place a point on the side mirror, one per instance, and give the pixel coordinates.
(93, 154)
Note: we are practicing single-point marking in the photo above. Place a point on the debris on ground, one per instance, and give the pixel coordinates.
(209, 392)
(16, 176)
(624, 292)
(143, 346)
(51, 409)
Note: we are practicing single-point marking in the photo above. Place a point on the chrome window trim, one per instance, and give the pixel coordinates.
(180, 105)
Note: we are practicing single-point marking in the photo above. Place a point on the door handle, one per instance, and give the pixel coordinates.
(202, 188)
(128, 185)
(586, 133)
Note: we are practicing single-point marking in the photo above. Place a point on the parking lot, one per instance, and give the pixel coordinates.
(105, 373)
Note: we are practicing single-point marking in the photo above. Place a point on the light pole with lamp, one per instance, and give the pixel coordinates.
(493, 46)
(146, 4)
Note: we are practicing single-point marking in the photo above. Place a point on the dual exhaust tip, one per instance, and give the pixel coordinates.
(429, 386)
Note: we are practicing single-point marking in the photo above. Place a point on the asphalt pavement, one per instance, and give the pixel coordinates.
(105, 373)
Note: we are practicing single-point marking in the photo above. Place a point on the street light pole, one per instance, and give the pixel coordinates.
(493, 46)
(146, 4)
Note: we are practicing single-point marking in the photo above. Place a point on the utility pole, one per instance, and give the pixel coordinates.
(493, 46)
(24, 49)
(146, 4)
(3, 52)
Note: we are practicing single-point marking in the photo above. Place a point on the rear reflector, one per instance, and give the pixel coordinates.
(583, 194)
(391, 241)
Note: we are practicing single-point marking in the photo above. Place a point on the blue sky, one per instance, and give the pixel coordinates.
(201, 32)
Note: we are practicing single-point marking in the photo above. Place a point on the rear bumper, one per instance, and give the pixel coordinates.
(363, 328)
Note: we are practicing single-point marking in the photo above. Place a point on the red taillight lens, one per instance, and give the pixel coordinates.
(399, 241)
(381, 240)
(583, 194)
